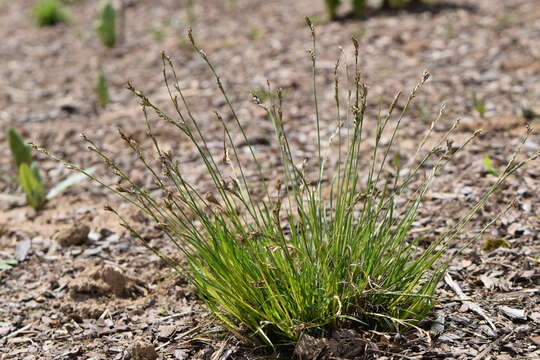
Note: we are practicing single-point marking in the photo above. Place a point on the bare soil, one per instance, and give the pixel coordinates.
(84, 289)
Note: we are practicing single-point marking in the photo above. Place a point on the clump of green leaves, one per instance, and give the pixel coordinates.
(49, 13)
(102, 90)
(28, 173)
(326, 246)
(106, 28)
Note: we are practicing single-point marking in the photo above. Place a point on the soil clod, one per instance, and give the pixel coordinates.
(73, 235)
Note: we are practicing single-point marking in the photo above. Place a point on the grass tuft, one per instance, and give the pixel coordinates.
(328, 245)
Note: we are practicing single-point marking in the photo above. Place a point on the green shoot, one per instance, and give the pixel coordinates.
(32, 186)
(28, 172)
(49, 13)
(190, 12)
(255, 33)
(479, 105)
(158, 33)
(20, 152)
(106, 28)
(102, 91)
(359, 7)
(7, 264)
(394, 4)
(331, 8)
(489, 167)
(29, 177)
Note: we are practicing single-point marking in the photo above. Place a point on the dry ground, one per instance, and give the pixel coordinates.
(98, 299)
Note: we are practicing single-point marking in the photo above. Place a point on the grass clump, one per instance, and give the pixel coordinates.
(321, 249)
(106, 28)
(49, 13)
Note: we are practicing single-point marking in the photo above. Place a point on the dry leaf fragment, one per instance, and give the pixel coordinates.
(166, 331)
(514, 314)
(515, 229)
(489, 282)
(535, 339)
(22, 249)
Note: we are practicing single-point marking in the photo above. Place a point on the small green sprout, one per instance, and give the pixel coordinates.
(394, 4)
(106, 28)
(479, 105)
(29, 177)
(49, 13)
(28, 172)
(331, 8)
(489, 167)
(7, 264)
(32, 186)
(255, 33)
(158, 33)
(359, 7)
(102, 91)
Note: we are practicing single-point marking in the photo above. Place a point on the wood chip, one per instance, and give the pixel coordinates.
(470, 305)
(22, 249)
(514, 314)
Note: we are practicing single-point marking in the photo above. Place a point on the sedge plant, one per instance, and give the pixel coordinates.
(327, 246)
(49, 13)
